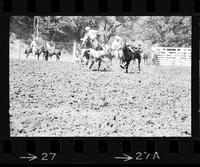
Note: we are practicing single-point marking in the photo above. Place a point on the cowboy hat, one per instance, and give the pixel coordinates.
(117, 37)
(127, 43)
(87, 28)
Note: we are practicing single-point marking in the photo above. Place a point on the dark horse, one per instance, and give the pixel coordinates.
(128, 56)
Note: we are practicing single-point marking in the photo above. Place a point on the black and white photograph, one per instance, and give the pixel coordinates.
(100, 76)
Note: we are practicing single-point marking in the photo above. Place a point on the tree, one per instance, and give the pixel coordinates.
(165, 31)
(36, 26)
(172, 31)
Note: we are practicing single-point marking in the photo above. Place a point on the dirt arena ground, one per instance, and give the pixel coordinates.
(66, 99)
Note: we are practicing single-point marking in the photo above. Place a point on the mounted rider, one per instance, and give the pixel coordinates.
(93, 36)
(138, 49)
(117, 45)
(128, 46)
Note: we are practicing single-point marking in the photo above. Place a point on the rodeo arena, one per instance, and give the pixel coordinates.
(126, 86)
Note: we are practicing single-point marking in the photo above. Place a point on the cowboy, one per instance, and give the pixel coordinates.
(139, 49)
(153, 54)
(129, 47)
(92, 34)
(116, 48)
(117, 44)
(33, 46)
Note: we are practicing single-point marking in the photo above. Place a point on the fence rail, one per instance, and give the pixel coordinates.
(170, 56)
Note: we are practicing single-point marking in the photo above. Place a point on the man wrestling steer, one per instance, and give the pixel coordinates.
(93, 51)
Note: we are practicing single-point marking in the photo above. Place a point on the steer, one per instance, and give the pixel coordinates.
(85, 56)
(99, 56)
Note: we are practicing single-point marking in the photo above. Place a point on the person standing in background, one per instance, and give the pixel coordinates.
(139, 48)
(33, 46)
(48, 46)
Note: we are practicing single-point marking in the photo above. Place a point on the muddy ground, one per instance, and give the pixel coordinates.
(66, 99)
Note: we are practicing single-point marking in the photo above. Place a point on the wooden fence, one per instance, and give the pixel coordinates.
(170, 56)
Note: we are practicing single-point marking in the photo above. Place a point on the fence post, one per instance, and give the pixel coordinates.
(74, 51)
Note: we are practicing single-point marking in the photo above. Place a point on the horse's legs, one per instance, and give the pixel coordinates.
(38, 56)
(43, 55)
(99, 64)
(57, 57)
(133, 62)
(86, 62)
(27, 55)
(127, 64)
(90, 64)
(139, 60)
(46, 56)
(28, 52)
(33, 53)
(111, 64)
(122, 66)
(120, 61)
